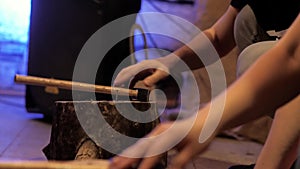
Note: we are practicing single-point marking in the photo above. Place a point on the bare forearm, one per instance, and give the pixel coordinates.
(194, 54)
(272, 81)
(251, 97)
(280, 150)
(211, 44)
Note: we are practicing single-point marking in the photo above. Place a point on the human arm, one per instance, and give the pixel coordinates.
(281, 147)
(271, 82)
(218, 40)
(273, 79)
(220, 35)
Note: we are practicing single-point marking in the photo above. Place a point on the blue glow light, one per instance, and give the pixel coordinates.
(14, 33)
(14, 20)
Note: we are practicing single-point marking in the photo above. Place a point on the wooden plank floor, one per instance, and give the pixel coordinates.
(22, 134)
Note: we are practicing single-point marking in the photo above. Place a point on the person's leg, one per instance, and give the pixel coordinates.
(249, 55)
(246, 29)
(281, 147)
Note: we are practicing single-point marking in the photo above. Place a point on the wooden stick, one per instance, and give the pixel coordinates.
(70, 85)
(79, 164)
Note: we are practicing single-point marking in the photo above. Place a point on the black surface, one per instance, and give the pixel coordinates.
(58, 30)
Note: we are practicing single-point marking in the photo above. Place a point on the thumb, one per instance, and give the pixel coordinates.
(182, 158)
(126, 74)
(158, 75)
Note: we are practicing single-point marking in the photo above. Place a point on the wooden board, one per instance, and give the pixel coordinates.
(80, 164)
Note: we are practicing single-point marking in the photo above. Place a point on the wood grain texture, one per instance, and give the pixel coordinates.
(78, 124)
(70, 85)
(81, 164)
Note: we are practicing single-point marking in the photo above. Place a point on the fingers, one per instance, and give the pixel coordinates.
(152, 76)
(120, 162)
(141, 70)
(132, 155)
(182, 158)
(179, 161)
(140, 76)
(125, 75)
(155, 77)
(150, 162)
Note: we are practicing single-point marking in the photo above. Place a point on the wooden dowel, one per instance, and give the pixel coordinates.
(70, 85)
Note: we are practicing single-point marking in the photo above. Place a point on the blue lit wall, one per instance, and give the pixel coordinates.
(14, 27)
(14, 20)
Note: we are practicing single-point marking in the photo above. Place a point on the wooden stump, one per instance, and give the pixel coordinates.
(69, 140)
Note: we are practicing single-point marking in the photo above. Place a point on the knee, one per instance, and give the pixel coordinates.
(245, 60)
(250, 54)
(245, 21)
(245, 28)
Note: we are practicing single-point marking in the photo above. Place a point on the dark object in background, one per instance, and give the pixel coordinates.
(242, 166)
(180, 1)
(58, 31)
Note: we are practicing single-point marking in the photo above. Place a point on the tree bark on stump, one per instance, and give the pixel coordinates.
(74, 119)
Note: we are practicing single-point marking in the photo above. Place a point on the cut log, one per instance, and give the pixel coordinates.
(69, 139)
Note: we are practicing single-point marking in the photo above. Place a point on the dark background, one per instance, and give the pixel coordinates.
(58, 30)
